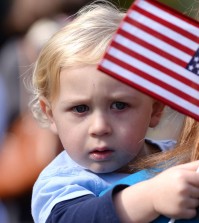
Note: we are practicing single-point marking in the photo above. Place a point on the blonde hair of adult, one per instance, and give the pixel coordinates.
(81, 42)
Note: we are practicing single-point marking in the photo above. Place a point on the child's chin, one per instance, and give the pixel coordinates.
(103, 169)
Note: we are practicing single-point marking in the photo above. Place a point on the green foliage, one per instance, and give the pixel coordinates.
(188, 7)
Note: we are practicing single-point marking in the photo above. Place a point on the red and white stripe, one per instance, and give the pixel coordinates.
(150, 52)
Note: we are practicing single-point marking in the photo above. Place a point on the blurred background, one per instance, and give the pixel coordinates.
(25, 148)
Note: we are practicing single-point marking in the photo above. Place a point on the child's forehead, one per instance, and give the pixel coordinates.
(85, 77)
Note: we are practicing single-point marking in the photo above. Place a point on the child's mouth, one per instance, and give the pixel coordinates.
(101, 154)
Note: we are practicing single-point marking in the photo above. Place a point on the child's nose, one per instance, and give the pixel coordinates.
(100, 126)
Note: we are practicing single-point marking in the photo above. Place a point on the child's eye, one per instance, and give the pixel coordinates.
(119, 105)
(80, 108)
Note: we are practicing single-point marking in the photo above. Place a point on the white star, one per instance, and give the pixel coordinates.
(191, 67)
(197, 65)
(196, 59)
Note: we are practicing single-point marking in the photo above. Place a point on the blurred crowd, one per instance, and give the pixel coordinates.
(25, 147)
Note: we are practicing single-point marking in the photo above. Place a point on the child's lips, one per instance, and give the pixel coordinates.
(101, 154)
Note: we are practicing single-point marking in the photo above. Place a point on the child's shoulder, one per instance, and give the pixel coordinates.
(62, 163)
(162, 144)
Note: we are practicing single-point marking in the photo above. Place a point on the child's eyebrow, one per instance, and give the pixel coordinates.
(124, 97)
(129, 95)
(75, 100)
(110, 97)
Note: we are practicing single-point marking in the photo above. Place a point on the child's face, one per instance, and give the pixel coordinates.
(101, 122)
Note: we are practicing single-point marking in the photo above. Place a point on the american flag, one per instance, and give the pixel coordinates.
(155, 50)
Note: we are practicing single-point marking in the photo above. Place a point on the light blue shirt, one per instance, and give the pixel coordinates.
(63, 179)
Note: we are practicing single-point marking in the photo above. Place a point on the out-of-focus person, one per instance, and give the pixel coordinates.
(25, 148)
(3, 109)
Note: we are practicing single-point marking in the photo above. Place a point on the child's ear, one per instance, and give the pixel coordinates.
(158, 108)
(46, 109)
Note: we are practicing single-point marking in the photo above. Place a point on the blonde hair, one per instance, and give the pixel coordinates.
(82, 41)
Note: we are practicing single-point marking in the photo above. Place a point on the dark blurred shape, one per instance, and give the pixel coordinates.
(4, 10)
(16, 16)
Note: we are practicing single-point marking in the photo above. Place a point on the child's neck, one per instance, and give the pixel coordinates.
(134, 165)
